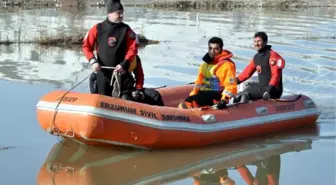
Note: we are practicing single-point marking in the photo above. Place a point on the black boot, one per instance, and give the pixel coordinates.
(241, 98)
(244, 98)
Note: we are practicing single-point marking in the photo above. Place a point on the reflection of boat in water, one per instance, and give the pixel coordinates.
(71, 163)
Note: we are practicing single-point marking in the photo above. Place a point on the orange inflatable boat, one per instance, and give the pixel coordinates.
(99, 120)
(71, 163)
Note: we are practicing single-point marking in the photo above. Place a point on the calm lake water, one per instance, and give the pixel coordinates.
(305, 38)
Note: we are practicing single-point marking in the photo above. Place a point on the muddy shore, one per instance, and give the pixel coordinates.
(70, 41)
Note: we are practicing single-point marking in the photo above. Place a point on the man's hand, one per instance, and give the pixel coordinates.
(238, 81)
(221, 104)
(119, 69)
(266, 96)
(95, 67)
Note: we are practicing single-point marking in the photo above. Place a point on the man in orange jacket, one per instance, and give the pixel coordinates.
(216, 80)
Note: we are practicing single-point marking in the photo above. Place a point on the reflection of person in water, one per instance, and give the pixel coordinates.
(268, 173)
(210, 177)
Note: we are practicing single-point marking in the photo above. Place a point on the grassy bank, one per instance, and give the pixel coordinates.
(66, 41)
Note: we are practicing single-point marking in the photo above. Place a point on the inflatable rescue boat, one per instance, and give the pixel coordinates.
(72, 163)
(99, 120)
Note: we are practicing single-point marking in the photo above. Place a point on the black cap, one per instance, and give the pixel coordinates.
(113, 6)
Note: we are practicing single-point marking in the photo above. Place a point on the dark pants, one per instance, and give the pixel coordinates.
(270, 166)
(202, 98)
(100, 83)
(256, 92)
(152, 97)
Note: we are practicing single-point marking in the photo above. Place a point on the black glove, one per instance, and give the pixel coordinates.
(267, 96)
(125, 65)
(221, 104)
(138, 95)
(238, 81)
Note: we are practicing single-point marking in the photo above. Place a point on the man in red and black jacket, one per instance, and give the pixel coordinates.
(269, 65)
(115, 45)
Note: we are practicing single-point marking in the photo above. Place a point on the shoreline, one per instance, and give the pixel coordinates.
(177, 4)
(229, 4)
(70, 41)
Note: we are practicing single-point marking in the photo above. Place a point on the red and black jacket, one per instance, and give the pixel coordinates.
(269, 65)
(115, 43)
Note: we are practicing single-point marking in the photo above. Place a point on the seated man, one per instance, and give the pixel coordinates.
(216, 80)
(269, 65)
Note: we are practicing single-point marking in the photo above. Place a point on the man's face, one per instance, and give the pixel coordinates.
(117, 16)
(259, 43)
(214, 50)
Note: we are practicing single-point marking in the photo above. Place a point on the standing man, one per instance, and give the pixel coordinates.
(115, 45)
(269, 65)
